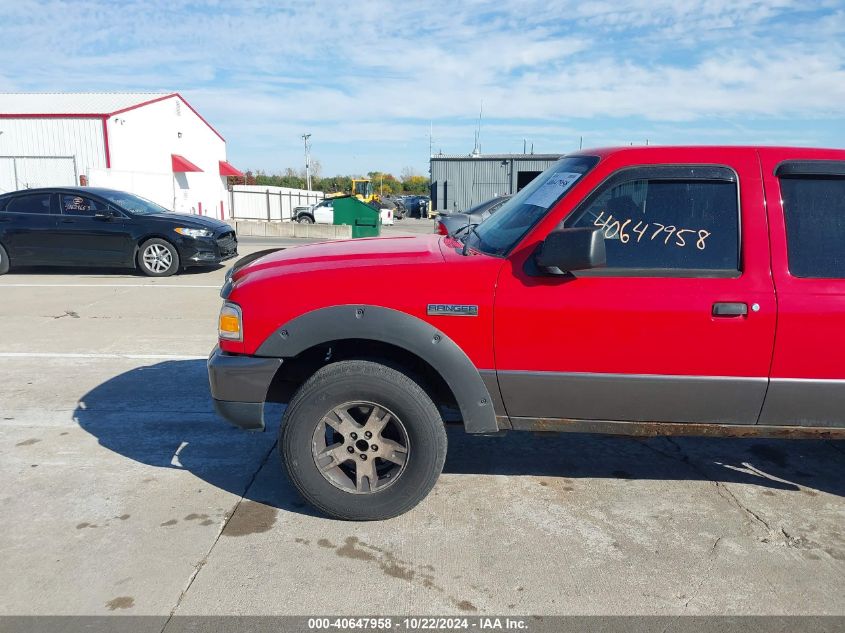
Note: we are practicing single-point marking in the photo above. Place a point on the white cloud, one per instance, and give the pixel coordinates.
(377, 72)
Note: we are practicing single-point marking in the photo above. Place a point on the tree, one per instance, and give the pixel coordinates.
(418, 185)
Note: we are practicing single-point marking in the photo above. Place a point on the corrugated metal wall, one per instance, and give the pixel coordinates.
(81, 139)
(460, 182)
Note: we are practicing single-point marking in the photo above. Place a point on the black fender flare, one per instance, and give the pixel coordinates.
(397, 328)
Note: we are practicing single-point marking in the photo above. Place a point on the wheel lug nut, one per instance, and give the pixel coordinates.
(363, 457)
(374, 448)
(368, 435)
(349, 449)
(354, 436)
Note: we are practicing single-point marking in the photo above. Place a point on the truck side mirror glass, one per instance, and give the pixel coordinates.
(565, 250)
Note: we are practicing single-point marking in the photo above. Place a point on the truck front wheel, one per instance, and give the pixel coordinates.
(362, 441)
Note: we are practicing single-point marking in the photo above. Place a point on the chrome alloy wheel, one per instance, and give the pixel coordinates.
(360, 447)
(157, 258)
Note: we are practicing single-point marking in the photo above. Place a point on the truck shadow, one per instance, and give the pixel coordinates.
(161, 415)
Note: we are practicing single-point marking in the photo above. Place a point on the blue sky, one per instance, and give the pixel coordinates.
(368, 79)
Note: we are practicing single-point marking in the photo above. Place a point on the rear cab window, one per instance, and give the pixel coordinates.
(813, 195)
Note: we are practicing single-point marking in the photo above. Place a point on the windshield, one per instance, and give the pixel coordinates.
(363, 187)
(502, 231)
(132, 203)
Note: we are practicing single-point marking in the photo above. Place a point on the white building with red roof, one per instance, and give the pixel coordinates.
(153, 144)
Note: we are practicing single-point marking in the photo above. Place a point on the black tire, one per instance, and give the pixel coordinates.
(4, 261)
(305, 219)
(158, 258)
(335, 386)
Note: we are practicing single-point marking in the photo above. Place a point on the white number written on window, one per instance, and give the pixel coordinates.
(625, 229)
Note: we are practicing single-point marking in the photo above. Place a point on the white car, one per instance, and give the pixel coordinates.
(322, 213)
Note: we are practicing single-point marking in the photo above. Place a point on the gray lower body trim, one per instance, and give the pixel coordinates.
(805, 402)
(633, 397)
(246, 415)
(491, 381)
(650, 429)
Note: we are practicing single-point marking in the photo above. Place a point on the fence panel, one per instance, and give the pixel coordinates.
(28, 172)
(256, 202)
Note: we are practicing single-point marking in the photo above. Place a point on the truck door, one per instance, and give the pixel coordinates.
(680, 325)
(805, 191)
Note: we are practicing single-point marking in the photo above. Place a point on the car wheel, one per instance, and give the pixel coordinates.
(158, 258)
(305, 219)
(362, 441)
(4, 261)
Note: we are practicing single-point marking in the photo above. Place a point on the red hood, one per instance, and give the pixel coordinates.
(384, 251)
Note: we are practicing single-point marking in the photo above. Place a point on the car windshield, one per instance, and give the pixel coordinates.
(132, 203)
(502, 231)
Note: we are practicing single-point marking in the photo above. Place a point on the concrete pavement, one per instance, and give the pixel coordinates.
(123, 493)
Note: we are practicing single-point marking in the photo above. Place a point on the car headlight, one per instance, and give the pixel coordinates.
(229, 323)
(182, 230)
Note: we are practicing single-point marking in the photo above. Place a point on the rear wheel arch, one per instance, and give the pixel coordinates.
(405, 341)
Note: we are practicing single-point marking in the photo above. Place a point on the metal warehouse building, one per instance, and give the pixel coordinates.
(459, 182)
(152, 144)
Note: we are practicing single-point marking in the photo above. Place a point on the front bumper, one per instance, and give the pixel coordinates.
(239, 386)
(209, 250)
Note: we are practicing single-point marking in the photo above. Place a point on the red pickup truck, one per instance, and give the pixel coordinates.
(675, 290)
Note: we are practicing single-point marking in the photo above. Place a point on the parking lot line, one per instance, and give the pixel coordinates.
(127, 356)
(108, 286)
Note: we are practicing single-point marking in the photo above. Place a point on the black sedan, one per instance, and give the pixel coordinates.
(90, 226)
(452, 223)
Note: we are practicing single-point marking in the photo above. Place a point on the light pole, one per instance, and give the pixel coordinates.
(305, 138)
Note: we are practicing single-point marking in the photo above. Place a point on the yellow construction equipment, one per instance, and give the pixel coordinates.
(363, 190)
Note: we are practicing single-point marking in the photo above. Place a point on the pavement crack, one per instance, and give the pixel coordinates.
(715, 545)
(198, 567)
(722, 490)
(731, 497)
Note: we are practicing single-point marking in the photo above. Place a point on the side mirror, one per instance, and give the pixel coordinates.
(565, 250)
(107, 214)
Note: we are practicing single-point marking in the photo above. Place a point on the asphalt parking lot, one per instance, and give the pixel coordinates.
(124, 493)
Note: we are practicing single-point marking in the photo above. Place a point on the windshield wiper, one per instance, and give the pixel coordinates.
(470, 228)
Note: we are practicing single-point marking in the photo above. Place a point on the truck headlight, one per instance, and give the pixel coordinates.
(182, 230)
(229, 323)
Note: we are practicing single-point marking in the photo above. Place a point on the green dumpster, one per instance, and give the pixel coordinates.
(364, 219)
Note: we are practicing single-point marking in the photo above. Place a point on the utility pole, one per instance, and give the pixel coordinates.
(430, 138)
(305, 138)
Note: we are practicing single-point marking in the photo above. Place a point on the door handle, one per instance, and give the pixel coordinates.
(730, 309)
(68, 221)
